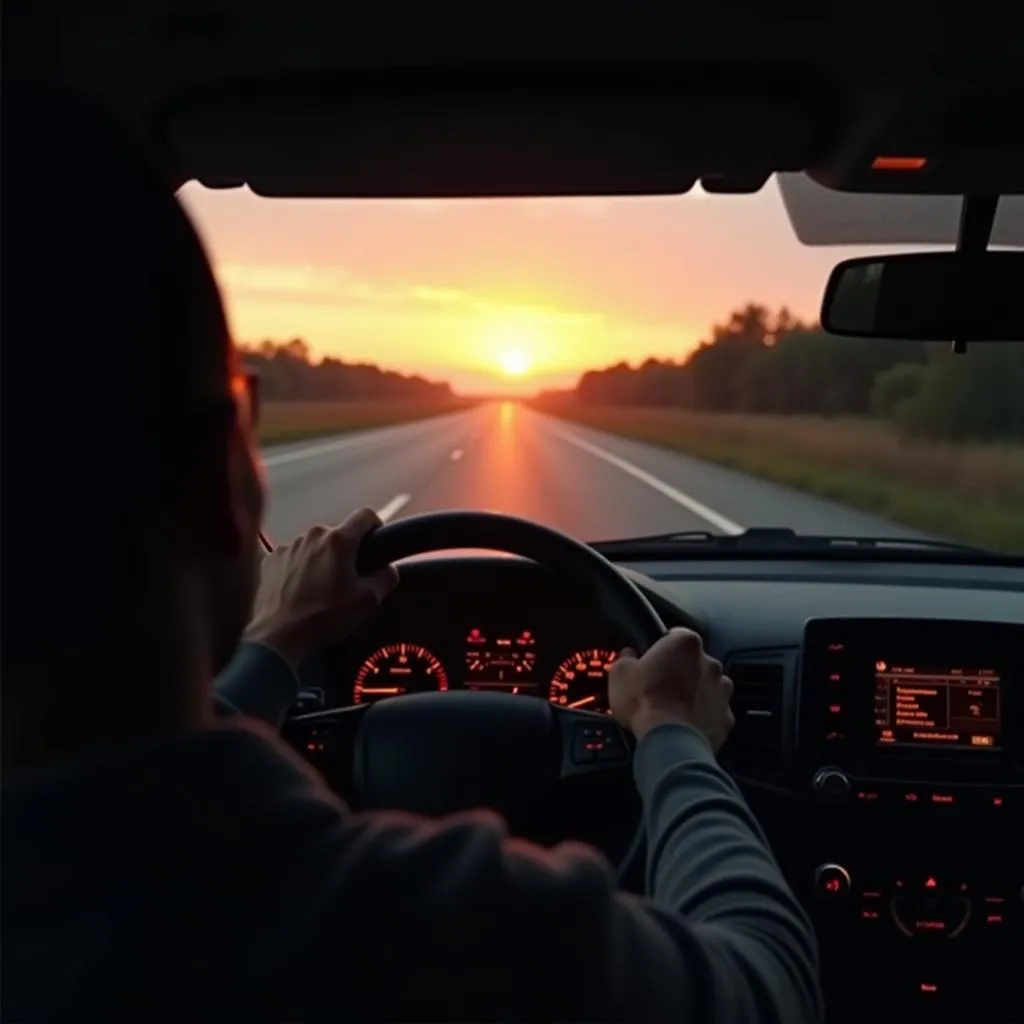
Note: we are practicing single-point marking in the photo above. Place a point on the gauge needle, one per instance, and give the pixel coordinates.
(580, 703)
(385, 690)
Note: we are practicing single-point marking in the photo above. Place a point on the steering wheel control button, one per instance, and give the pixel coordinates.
(832, 882)
(831, 784)
(597, 744)
(315, 735)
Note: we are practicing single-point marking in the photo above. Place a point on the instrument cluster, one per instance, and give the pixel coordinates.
(491, 659)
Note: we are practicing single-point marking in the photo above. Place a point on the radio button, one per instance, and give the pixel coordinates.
(867, 795)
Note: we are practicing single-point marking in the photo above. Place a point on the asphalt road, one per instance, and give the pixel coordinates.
(508, 458)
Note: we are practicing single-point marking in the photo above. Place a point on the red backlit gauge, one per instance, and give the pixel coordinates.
(395, 670)
(582, 681)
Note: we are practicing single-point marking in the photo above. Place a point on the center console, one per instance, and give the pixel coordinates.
(911, 746)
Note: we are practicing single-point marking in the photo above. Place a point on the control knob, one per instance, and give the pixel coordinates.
(831, 783)
(832, 881)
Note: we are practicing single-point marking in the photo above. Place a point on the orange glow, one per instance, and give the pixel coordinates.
(899, 163)
(501, 296)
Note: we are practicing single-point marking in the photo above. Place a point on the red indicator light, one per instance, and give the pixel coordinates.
(899, 163)
(929, 987)
(930, 883)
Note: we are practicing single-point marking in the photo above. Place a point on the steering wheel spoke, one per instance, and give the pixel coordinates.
(592, 743)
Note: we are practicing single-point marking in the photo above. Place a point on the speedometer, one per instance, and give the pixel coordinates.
(397, 669)
(582, 680)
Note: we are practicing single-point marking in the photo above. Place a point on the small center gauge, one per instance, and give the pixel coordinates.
(504, 662)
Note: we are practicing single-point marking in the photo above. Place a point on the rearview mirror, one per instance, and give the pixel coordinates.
(925, 296)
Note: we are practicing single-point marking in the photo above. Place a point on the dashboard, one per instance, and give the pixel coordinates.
(530, 636)
(879, 737)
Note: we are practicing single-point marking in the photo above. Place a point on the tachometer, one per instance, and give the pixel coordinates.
(582, 680)
(397, 669)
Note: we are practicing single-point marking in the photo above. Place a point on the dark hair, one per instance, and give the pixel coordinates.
(114, 335)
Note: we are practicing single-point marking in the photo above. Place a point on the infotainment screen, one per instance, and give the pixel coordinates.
(937, 706)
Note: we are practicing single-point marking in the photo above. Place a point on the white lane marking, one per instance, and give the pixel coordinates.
(456, 455)
(709, 515)
(311, 451)
(393, 507)
(357, 439)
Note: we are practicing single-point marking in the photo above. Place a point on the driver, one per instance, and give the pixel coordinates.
(161, 864)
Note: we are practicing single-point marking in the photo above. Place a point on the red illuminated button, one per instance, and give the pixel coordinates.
(994, 910)
(871, 906)
(832, 881)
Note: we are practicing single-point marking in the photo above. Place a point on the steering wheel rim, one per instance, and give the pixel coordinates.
(436, 753)
(618, 597)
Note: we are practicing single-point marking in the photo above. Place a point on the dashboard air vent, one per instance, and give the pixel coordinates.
(755, 748)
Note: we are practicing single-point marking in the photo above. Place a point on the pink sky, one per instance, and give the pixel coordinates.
(455, 289)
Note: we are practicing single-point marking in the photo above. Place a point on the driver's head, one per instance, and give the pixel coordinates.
(132, 498)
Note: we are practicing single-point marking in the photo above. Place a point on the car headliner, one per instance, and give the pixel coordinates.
(317, 98)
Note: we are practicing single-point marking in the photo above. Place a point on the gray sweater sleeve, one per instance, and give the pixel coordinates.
(258, 683)
(715, 884)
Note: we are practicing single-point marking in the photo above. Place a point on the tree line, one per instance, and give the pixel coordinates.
(760, 361)
(288, 373)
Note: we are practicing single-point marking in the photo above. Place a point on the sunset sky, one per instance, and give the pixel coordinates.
(509, 295)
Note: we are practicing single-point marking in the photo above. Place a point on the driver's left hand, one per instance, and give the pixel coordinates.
(310, 595)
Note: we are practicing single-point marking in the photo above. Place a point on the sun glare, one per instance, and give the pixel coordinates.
(515, 362)
(513, 347)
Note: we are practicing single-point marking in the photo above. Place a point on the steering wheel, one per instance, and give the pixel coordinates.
(436, 753)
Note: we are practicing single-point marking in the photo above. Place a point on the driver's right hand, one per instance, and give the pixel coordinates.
(310, 595)
(674, 682)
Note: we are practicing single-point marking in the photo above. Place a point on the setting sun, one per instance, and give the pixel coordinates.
(514, 345)
(515, 362)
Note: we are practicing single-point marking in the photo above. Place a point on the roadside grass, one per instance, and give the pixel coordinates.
(294, 421)
(972, 493)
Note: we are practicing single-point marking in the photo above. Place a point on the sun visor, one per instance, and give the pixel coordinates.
(821, 216)
(297, 140)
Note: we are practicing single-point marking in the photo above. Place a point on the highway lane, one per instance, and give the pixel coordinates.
(509, 458)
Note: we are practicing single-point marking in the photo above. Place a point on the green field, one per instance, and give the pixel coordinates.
(293, 421)
(972, 493)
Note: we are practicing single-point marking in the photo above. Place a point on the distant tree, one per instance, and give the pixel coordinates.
(895, 386)
(288, 373)
(976, 396)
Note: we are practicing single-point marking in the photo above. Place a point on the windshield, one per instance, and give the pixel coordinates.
(611, 367)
